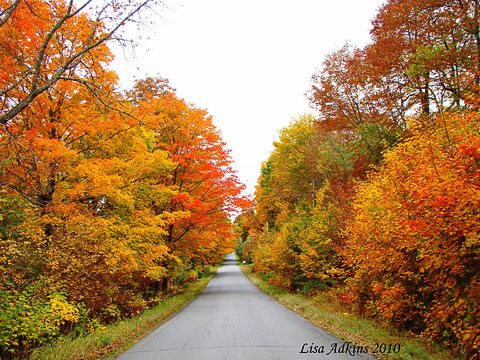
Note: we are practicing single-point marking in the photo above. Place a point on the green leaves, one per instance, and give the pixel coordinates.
(27, 317)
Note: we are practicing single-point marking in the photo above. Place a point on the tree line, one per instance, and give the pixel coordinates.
(375, 197)
(109, 200)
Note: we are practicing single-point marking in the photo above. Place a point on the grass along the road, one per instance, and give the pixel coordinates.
(117, 337)
(328, 314)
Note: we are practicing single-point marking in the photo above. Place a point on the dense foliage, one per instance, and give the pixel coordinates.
(413, 246)
(375, 198)
(108, 201)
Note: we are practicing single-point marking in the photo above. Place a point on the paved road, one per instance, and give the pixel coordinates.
(232, 319)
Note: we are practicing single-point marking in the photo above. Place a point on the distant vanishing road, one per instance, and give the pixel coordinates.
(232, 319)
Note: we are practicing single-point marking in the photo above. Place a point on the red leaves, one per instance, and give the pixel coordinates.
(206, 187)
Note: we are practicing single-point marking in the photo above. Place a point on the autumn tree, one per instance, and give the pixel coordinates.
(428, 51)
(202, 179)
(48, 43)
(297, 205)
(423, 59)
(345, 95)
(56, 96)
(287, 176)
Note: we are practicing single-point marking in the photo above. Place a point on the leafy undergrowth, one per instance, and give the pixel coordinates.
(329, 314)
(114, 339)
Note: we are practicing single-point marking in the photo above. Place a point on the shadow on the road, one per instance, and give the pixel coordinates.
(216, 291)
(227, 272)
(229, 261)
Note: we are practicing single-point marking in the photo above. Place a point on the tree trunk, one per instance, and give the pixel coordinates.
(165, 285)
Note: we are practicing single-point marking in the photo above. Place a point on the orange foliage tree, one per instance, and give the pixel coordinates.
(413, 245)
(45, 44)
(203, 183)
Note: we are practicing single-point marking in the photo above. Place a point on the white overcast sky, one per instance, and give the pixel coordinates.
(247, 62)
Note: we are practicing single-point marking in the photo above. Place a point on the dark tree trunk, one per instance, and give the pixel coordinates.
(165, 285)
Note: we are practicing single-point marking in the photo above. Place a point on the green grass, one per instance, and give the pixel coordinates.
(328, 314)
(119, 336)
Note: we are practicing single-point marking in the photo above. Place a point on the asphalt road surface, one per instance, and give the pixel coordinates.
(232, 319)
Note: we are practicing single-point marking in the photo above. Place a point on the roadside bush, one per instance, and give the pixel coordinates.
(413, 245)
(27, 320)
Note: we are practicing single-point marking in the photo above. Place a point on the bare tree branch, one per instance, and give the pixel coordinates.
(24, 195)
